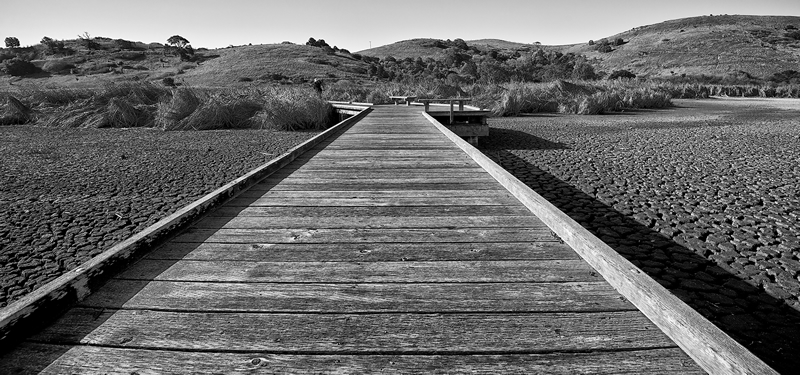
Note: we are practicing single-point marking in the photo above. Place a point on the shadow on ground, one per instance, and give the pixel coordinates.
(761, 323)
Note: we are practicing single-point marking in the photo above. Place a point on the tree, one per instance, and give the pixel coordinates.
(178, 41)
(12, 42)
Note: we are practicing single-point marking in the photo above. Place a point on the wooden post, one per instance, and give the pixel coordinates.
(427, 104)
(460, 105)
(452, 117)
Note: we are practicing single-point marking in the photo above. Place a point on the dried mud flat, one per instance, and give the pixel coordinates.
(703, 197)
(66, 195)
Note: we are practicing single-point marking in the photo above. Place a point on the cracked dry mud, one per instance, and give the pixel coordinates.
(703, 197)
(67, 195)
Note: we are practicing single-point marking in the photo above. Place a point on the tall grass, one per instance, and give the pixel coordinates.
(573, 98)
(150, 105)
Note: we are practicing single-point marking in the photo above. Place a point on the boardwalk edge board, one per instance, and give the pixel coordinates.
(710, 347)
(51, 299)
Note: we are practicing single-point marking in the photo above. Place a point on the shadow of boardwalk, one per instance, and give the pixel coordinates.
(761, 323)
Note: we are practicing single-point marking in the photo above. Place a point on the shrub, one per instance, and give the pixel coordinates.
(57, 67)
(793, 34)
(245, 79)
(621, 74)
(604, 48)
(168, 81)
(18, 67)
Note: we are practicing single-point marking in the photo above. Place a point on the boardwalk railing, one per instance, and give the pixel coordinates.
(710, 347)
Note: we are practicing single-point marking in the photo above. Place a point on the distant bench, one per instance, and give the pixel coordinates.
(398, 99)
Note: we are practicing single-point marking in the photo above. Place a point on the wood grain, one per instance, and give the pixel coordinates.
(358, 298)
(374, 252)
(62, 359)
(357, 333)
(363, 272)
(369, 222)
(363, 235)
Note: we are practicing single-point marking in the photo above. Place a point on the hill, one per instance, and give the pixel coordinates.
(710, 45)
(741, 46)
(275, 62)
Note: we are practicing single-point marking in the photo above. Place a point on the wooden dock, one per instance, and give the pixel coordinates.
(386, 249)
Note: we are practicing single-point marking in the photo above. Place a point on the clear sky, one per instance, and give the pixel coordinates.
(354, 24)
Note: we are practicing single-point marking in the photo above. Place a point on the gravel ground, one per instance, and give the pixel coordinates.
(66, 195)
(704, 197)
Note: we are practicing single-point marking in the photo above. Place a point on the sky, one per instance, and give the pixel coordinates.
(358, 24)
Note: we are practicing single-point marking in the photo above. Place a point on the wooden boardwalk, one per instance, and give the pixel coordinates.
(386, 249)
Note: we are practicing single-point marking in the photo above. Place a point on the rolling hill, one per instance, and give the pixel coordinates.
(710, 45)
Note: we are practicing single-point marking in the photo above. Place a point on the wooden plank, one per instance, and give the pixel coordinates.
(363, 272)
(368, 201)
(476, 179)
(392, 222)
(355, 333)
(306, 235)
(261, 191)
(710, 347)
(61, 359)
(379, 173)
(358, 298)
(351, 186)
(364, 252)
(400, 211)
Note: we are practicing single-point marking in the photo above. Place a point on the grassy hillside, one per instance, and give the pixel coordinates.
(274, 62)
(412, 48)
(711, 45)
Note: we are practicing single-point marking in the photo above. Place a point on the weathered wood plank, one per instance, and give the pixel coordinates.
(358, 298)
(366, 272)
(392, 222)
(368, 201)
(381, 173)
(364, 252)
(354, 186)
(354, 333)
(322, 211)
(305, 235)
(263, 192)
(292, 180)
(62, 359)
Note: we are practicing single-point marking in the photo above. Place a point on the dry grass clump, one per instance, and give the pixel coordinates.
(150, 105)
(15, 112)
(276, 108)
(571, 98)
(294, 109)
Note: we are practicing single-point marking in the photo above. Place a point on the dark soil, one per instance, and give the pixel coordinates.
(67, 195)
(703, 197)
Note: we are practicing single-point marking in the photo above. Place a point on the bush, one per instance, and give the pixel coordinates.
(604, 48)
(621, 74)
(57, 67)
(793, 34)
(18, 67)
(168, 81)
